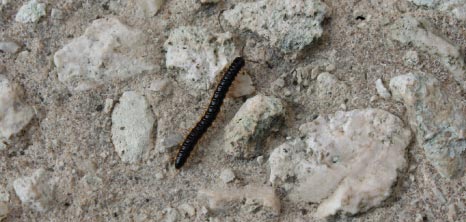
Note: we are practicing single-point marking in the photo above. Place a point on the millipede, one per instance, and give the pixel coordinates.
(210, 114)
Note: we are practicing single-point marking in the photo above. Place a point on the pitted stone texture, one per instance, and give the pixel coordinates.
(438, 119)
(132, 126)
(14, 113)
(200, 54)
(250, 124)
(289, 25)
(346, 162)
(108, 50)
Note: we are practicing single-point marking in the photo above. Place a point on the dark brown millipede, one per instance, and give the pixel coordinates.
(210, 114)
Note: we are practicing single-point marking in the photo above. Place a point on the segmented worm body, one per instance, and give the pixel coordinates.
(210, 114)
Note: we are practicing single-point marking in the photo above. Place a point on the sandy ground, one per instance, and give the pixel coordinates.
(70, 136)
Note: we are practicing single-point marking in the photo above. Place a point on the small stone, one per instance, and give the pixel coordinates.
(227, 175)
(251, 124)
(170, 215)
(159, 176)
(132, 126)
(148, 8)
(9, 47)
(14, 113)
(439, 126)
(108, 105)
(411, 58)
(187, 210)
(381, 90)
(428, 3)
(31, 12)
(159, 85)
(222, 199)
(315, 73)
(260, 160)
(57, 14)
(343, 106)
(108, 50)
(35, 191)
(287, 92)
(330, 67)
(329, 88)
(242, 86)
(287, 25)
(279, 83)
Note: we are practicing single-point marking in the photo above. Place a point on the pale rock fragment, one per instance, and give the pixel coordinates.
(346, 162)
(30, 12)
(187, 209)
(108, 106)
(223, 199)
(132, 126)
(227, 175)
(108, 50)
(9, 47)
(250, 124)
(411, 58)
(438, 119)
(422, 34)
(148, 8)
(331, 89)
(287, 25)
(209, 1)
(381, 90)
(242, 86)
(170, 215)
(36, 190)
(199, 53)
(14, 113)
(428, 3)
(57, 14)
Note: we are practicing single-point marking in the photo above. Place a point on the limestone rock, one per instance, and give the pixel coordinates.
(381, 90)
(222, 199)
(227, 175)
(438, 119)
(30, 12)
(250, 124)
(108, 50)
(331, 89)
(422, 34)
(132, 126)
(199, 53)
(14, 113)
(9, 47)
(346, 162)
(36, 190)
(288, 25)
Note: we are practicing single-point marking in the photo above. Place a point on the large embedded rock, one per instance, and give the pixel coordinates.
(438, 119)
(36, 190)
(422, 34)
(132, 126)
(289, 25)
(14, 113)
(200, 54)
(346, 162)
(250, 124)
(107, 51)
(30, 12)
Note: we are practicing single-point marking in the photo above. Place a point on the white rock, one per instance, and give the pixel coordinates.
(108, 105)
(30, 12)
(132, 126)
(411, 58)
(227, 175)
(36, 190)
(148, 8)
(199, 53)
(250, 124)
(287, 25)
(4, 210)
(347, 162)
(14, 113)
(9, 47)
(438, 119)
(221, 199)
(242, 86)
(108, 50)
(423, 35)
(381, 90)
